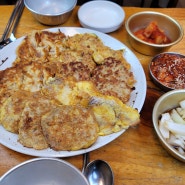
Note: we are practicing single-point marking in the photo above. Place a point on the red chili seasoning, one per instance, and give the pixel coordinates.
(169, 69)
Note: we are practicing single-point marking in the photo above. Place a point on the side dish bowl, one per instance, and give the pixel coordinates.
(165, 103)
(44, 171)
(171, 28)
(167, 71)
(103, 16)
(51, 12)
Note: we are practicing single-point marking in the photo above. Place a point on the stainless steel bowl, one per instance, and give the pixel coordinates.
(51, 12)
(166, 102)
(172, 63)
(166, 23)
(46, 171)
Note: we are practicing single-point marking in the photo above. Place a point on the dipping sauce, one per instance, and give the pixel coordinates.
(169, 70)
(152, 34)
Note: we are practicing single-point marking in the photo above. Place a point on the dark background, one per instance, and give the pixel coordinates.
(139, 3)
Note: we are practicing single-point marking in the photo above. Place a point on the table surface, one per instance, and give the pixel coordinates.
(136, 157)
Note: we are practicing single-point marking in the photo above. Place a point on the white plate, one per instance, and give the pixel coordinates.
(137, 97)
(104, 16)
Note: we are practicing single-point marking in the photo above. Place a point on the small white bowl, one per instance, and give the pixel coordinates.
(45, 171)
(103, 16)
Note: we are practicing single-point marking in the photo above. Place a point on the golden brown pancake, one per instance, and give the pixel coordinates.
(112, 78)
(39, 46)
(69, 128)
(11, 110)
(30, 131)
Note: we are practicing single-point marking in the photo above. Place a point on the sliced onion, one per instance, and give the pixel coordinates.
(176, 142)
(182, 104)
(177, 129)
(164, 131)
(180, 150)
(172, 127)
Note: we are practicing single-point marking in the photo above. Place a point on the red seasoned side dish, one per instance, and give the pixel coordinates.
(169, 70)
(152, 34)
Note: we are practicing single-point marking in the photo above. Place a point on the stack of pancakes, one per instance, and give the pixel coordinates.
(63, 92)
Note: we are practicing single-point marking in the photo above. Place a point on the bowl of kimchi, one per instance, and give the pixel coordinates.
(152, 32)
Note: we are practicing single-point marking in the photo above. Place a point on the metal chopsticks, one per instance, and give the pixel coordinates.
(20, 10)
(15, 16)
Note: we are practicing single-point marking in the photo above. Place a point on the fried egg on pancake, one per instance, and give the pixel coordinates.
(113, 78)
(30, 131)
(69, 92)
(11, 110)
(102, 53)
(112, 114)
(69, 128)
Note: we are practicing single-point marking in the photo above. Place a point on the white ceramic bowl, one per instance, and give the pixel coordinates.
(44, 171)
(51, 12)
(103, 16)
(166, 102)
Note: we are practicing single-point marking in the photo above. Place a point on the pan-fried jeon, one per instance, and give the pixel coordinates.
(112, 115)
(11, 109)
(30, 130)
(70, 128)
(39, 46)
(113, 78)
(64, 91)
(77, 71)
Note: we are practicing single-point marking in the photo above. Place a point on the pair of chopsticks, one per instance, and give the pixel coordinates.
(14, 19)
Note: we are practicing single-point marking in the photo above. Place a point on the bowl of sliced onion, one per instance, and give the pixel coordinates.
(169, 122)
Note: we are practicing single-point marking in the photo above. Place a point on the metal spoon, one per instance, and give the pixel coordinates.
(97, 172)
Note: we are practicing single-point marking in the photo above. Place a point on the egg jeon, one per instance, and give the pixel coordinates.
(111, 113)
